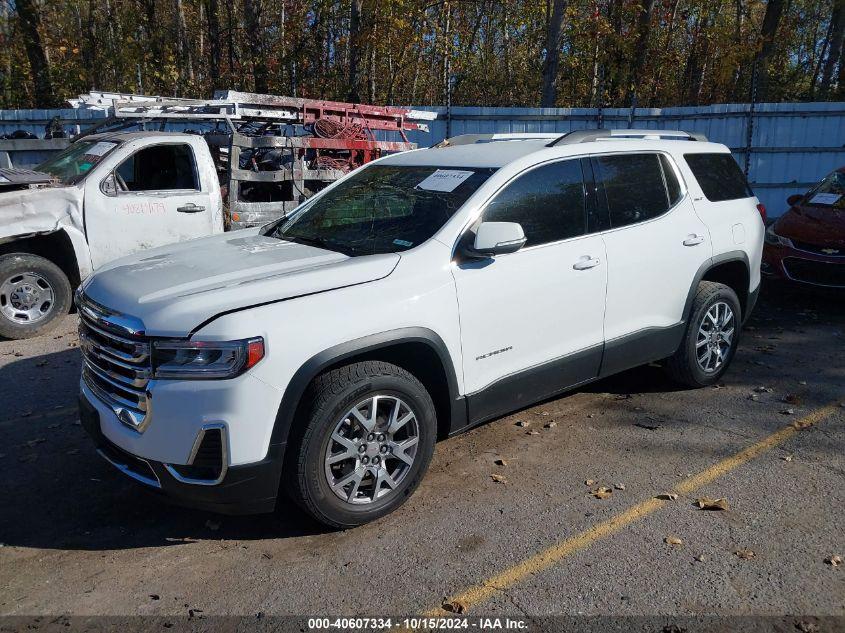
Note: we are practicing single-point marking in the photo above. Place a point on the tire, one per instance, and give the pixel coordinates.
(328, 412)
(684, 365)
(35, 282)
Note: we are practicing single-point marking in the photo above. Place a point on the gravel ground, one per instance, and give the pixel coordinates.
(78, 539)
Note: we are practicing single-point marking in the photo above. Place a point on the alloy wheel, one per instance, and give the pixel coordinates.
(715, 337)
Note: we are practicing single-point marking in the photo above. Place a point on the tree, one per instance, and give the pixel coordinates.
(30, 21)
(837, 34)
(255, 44)
(355, 47)
(766, 46)
(554, 35)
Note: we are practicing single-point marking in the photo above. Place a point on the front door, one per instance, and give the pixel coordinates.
(531, 321)
(154, 197)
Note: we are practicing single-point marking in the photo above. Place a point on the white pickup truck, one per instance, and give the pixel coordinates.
(105, 196)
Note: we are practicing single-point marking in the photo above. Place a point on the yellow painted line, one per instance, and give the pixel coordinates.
(553, 555)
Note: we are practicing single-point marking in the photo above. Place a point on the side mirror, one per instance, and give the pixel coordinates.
(497, 238)
(109, 186)
(794, 199)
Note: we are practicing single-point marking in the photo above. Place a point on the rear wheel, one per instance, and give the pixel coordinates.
(711, 338)
(366, 440)
(34, 294)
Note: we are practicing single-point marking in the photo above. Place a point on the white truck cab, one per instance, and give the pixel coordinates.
(106, 196)
(323, 354)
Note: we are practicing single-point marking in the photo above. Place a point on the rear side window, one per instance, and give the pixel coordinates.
(547, 201)
(719, 176)
(634, 186)
(673, 187)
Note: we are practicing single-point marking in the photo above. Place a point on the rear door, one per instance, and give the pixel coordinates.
(152, 198)
(531, 321)
(655, 246)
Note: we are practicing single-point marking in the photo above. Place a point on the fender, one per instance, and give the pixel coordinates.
(730, 256)
(319, 362)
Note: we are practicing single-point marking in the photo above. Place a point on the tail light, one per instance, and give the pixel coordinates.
(762, 209)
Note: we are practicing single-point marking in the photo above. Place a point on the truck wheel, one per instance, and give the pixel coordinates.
(364, 442)
(34, 294)
(711, 338)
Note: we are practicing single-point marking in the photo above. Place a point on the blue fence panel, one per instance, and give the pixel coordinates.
(793, 145)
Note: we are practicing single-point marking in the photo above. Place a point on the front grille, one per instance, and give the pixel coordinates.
(819, 249)
(813, 272)
(128, 463)
(116, 367)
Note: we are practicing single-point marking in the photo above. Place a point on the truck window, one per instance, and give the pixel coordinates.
(548, 202)
(158, 168)
(719, 176)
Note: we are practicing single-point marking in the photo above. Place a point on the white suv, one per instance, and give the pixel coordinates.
(427, 292)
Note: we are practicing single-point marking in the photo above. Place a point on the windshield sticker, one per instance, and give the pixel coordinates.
(825, 198)
(85, 166)
(100, 149)
(445, 180)
(403, 243)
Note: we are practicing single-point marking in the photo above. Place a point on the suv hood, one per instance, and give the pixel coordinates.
(175, 288)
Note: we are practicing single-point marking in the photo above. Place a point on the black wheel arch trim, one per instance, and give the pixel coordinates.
(298, 384)
(707, 266)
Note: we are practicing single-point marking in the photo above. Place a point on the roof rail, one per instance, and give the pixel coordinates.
(471, 139)
(586, 136)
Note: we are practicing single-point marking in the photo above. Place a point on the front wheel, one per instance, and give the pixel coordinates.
(366, 438)
(711, 338)
(34, 294)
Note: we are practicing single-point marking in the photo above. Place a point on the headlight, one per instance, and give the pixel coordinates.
(776, 240)
(205, 359)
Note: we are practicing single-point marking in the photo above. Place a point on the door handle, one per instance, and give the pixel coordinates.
(190, 208)
(693, 240)
(586, 262)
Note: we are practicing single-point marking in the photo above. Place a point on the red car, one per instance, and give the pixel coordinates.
(806, 245)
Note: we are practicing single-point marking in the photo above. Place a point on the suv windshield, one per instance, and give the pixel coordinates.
(830, 192)
(73, 164)
(382, 209)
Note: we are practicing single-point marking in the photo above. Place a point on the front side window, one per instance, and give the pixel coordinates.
(158, 168)
(719, 176)
(634, 186)
(71, 165)
(382, 208)
(547, 201)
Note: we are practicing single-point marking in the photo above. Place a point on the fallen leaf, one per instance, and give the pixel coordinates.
(806, 627)
(745, 554)
(499, 479)
(155, 596)
(789, 411)
(590, 482)
(706, 503)
(701, 558)
(550, 425)
(500, 462)
(619, 486)
(787, 458)
(667, 496)
(763, 389)
(523, 423)
(532, 432)
(454, 606)
(754, 397)
(602, 493)
(791, 398)
(833, 561)
(673, 540)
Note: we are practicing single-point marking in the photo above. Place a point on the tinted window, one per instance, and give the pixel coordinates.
(158, 168)
(634, 187)
(672, 184)
(547, 201)
(719, 176)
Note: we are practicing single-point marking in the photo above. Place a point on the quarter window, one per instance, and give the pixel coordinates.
(547, 201)
(158, 168)
(634, 186)
(719, 176)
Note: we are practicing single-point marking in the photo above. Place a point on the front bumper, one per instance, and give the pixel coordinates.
(244, 489)
(803, 267)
